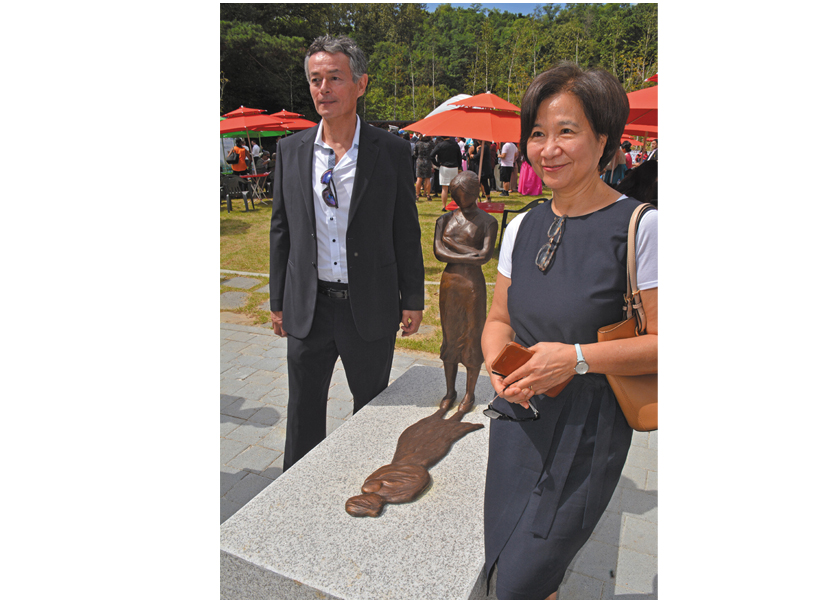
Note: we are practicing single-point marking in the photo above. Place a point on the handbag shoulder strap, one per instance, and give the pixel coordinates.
(633, 299)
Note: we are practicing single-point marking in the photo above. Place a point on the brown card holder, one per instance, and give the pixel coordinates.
(515, 355)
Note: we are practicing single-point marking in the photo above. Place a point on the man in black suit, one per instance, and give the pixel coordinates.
(346, 261)
(654, 153)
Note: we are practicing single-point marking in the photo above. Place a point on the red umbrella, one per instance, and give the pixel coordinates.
(644, 106)
(293, 124)
(643, 130)
(248, 123)
(653, 78)
(486, 100)
(243, 111)
(285, 114)
(644, 113)
(633, 142)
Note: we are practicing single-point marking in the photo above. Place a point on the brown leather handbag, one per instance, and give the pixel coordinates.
(637, 394)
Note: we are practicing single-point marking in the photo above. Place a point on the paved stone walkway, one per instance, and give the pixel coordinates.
(619, 561)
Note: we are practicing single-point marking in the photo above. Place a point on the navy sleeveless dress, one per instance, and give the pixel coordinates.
(550, 480)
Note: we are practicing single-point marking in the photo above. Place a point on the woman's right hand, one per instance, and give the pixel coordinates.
(511, 393)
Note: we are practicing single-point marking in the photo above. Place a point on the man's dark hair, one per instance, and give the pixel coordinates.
(333, 45)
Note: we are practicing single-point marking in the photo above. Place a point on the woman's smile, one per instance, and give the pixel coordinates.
(562, 147)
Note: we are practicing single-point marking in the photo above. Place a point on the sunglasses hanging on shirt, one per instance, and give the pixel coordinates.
(329, 193)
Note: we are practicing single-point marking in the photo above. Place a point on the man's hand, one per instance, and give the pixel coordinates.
(277, 322)
(410, 321)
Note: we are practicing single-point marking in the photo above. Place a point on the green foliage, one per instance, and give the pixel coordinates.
(419, 59)
(261, 69)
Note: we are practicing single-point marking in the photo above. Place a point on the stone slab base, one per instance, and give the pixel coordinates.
(294, 539)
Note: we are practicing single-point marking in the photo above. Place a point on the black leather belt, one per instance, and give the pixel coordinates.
(333, 290)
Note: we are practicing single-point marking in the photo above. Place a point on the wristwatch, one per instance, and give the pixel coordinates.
(582, 367)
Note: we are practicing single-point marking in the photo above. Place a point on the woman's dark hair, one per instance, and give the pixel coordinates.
(626, 146)
(641, 183)
(239, 142)
(603, 99)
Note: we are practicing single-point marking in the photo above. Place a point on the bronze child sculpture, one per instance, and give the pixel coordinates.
(464, 239)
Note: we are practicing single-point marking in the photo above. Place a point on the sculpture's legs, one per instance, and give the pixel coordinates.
(469, 398)
(450, 370)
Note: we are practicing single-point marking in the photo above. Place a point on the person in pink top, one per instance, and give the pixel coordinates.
(628, 158)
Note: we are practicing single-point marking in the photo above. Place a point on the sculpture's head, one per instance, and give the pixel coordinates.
(391, 484)
(365, 505)
(464, 189)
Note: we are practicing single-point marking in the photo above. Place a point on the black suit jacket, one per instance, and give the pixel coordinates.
(384, 256)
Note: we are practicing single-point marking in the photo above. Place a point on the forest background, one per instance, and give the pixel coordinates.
(419, 59)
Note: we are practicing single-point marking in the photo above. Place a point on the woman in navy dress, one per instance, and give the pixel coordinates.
(561, 277)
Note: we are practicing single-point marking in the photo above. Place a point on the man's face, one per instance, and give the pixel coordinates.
(331, 84)
(653, 145)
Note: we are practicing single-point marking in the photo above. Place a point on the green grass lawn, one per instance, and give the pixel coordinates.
(243, 246)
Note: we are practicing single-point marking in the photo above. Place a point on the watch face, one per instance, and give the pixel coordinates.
(581, 368)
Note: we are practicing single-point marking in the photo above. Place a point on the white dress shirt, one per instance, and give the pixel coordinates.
(331, 223)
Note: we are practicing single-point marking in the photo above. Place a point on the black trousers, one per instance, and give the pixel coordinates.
(311, 361)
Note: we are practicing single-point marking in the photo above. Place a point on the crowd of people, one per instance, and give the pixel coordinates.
(436, 160)
(246, 164)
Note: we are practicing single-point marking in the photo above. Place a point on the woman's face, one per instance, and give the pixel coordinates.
(562, 147)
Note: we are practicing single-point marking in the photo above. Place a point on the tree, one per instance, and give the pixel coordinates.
(418, 59)
(261, 69)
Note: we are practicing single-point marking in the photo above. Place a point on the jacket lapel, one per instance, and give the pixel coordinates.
(303, 155)
(365, 163)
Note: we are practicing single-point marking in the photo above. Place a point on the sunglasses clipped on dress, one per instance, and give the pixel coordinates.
(546, 253)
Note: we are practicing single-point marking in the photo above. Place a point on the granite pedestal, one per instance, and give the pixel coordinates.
(295, 541)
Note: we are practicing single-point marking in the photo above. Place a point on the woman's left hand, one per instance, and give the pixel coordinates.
(551, 365)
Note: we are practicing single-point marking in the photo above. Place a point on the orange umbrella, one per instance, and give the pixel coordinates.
(499, 126)
(486, 100)
(479, 123)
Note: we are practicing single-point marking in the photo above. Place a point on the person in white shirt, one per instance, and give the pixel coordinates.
(507, 157)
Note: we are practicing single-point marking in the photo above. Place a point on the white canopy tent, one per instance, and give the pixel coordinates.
(447, 105)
